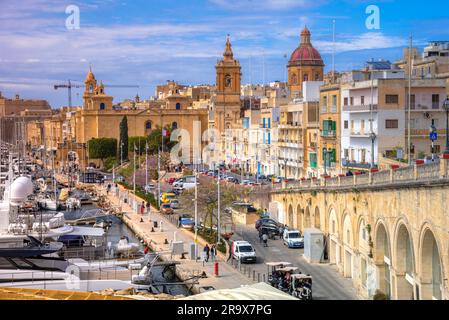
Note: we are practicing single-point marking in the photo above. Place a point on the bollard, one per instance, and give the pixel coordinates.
(264, 277)
(254, 275)
(216, 268)
(258, 277)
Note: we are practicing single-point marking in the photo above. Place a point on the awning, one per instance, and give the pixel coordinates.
(258, 291)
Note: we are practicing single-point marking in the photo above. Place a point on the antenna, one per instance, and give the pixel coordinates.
(333, 50)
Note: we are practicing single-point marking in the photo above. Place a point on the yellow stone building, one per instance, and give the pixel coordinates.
(330, 129)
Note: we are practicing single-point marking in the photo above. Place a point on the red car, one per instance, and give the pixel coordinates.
(171, 180)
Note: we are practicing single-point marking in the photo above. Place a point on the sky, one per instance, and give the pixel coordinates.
(147, 42)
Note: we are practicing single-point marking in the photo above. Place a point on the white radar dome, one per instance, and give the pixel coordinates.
(21, 188)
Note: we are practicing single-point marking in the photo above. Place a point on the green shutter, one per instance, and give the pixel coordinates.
(334, 125)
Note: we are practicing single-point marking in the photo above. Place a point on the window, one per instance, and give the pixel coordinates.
(334, 103)
(269, 123)
(392, 99)
(362, 100)
(391, 124)
(435, 101)
(324, 106)
(178, 106)
(345, 101)
(346, 153)
(148, 125)
(317, 77)
(346, 124)
(294, 79)
(102, 106)
(352, 101)
(412, 101)
(306, 77)
(362, 126)
(174, 125)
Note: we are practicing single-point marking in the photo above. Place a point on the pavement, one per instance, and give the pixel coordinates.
(228, 277)
(328, 284)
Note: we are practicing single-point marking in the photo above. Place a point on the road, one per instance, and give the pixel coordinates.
(328, 284)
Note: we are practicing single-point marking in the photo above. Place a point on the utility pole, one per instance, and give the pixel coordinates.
(409, 154)
(146, 165)
(196, 214)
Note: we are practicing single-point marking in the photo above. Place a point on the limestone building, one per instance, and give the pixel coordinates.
(305, 65)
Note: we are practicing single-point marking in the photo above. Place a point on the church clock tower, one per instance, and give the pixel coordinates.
(227, 96)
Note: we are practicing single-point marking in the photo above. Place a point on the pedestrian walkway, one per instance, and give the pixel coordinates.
(161, 238)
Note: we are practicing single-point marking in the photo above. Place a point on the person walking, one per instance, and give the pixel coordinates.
(213, 252)
(265, 240)
(142, 208)
(206, 251)
(179, 221)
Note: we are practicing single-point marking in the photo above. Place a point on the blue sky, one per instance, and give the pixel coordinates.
(147, 42)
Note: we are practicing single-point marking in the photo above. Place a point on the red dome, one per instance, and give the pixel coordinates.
(306, 54)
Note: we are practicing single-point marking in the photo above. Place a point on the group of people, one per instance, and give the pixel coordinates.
(210, 252)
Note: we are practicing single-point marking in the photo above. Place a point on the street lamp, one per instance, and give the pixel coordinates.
(446, 107)
(325, 160)
(432, 130)
(372, 136)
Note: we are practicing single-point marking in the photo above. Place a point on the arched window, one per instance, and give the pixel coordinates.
(178, 106)
(306, 77)
(102, 106)
(148, 125)
(174, 125)
(317, 76)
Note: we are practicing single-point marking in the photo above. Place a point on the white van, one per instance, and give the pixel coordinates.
(292, 239)
(187, 182)
(243, 251)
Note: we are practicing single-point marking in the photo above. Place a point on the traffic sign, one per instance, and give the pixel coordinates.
(433, 136)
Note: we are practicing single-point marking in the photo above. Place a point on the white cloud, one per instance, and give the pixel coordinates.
(365, 41)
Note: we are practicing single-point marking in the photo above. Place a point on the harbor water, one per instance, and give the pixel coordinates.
(119, 229)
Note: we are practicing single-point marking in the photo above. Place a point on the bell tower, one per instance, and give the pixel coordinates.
(94, 96)
(227, 96)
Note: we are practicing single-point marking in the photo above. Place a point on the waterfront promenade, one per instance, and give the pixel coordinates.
(228, 277)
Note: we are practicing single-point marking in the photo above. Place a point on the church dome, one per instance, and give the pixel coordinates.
(306, 54)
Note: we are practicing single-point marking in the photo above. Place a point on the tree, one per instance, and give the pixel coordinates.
(102, 148)
(139, 142)
(155, 141)
(208, 202)
(124, 138)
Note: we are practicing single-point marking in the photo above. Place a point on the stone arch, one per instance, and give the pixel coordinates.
(347, 238)
(307, 220)
(290, 216)
(382, 258)
(361, 241)
(431, 266)
(317, 218)
(404, 262)
(275, 209)
(334, 247)
(299, 217)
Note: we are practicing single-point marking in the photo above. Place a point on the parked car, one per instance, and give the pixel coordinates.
(260, 222)
(243, 251)
(174, 203)
(166, 208)
(187, 221)
(149, 187)
(292, 239)
(167, 196)
(187, 182)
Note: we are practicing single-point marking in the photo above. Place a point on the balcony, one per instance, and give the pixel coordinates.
(290, 125)
(359, 134)
(355, 165)
(425, 133)
(360, 108)
(328, 134)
